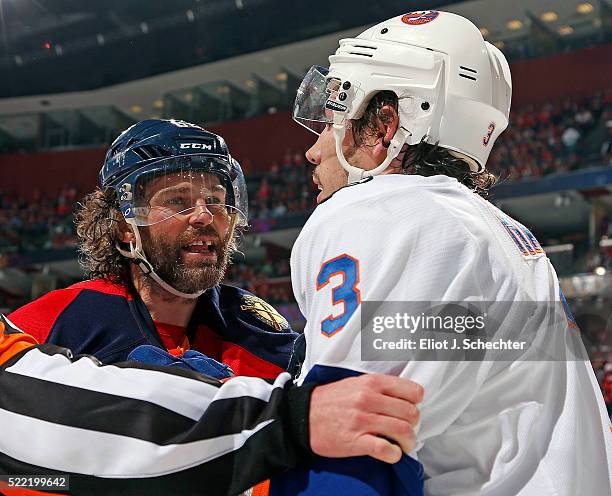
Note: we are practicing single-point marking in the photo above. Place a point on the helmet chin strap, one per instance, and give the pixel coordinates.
(137, 253)
(356, 174)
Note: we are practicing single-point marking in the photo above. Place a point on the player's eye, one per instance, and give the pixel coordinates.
(175, 200)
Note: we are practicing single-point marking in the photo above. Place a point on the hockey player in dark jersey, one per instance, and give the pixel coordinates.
(155, 240)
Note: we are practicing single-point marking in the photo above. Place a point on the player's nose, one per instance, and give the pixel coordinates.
(313, 154)
(200, 216)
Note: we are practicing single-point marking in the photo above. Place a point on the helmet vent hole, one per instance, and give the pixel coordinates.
(362, 54)
(468, 77)
(147, 152)
(366, 47)
(142, 153)
(468, 69)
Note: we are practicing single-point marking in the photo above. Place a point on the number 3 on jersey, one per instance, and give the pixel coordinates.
(346, 293)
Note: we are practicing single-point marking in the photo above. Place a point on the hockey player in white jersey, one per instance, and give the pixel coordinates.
(406, 116)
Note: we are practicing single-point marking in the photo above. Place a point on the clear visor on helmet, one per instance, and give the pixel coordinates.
(241, 199)
(310, 108)
(182, 186)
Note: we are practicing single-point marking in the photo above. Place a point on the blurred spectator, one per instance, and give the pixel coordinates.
(606, 387)
(570, 138)
(606, 147)
(39, 222)
(269, 279)
(584, 118)
(283, 189)
(552, 137)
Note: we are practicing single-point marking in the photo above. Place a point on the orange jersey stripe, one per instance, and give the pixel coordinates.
(262, 489)
(11, 344)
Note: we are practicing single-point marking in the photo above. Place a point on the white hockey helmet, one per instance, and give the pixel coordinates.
(454, 88)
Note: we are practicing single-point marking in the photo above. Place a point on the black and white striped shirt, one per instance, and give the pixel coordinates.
(138, 429)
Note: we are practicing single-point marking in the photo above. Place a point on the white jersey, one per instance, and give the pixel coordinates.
(487, 428)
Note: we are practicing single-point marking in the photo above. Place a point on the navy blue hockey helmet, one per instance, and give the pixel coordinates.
(155, 149)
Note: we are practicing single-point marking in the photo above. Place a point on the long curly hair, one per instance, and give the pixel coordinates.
(423, 159)
(96, 222)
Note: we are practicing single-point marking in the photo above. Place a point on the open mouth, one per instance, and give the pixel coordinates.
(319, 186)
(200, 246)
(315, 180)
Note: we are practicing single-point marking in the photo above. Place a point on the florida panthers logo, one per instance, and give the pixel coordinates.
(420, 17)
(264, 312)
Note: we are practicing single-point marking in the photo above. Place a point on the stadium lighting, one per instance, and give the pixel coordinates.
(549, 16)
(605, 242)
(514, 24)
(136, 109)
(565, 30)
(500, 44)
(484, 32)
(600, 271)
(584, 8)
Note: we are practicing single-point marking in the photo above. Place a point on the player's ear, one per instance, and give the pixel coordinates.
(387, 122)
(125, 234)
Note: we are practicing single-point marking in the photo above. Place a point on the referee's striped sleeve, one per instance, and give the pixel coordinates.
(135, 429)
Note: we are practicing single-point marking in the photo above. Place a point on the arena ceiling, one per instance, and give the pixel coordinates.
(58, 46)
(49, 46)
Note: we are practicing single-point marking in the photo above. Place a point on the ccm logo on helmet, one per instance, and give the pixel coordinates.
(196, 146)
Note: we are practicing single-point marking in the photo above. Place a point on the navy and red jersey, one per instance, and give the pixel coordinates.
(107, 320)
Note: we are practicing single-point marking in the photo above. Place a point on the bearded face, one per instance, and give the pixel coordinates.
(188, 238)
(193, 261)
